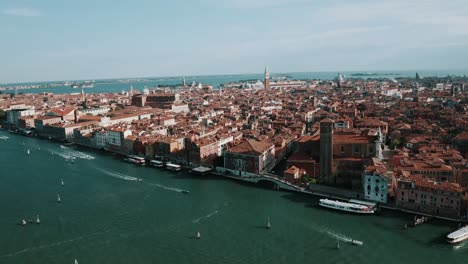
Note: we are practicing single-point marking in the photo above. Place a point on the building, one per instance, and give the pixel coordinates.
(294, 175)
(377, 183)
(116, 135)
(460, 142)
(425, 195)
(250, 156)
(156, 100)
(13, 115)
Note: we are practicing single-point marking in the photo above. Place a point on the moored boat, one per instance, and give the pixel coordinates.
(135, 160)
(157, 163)
(458, 236)
(173, 167)
(346, 206)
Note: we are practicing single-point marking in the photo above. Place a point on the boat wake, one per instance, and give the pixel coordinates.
(120, 175)
(54, 244)
(338, 236)
(4, 138)
(75, 153)
(205, 217)
(168, 188)
(63, 155)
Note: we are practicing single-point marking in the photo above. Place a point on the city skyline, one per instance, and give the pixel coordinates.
(85, 40)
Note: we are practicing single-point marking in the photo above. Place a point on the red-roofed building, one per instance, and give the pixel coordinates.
(250, 156)
(425, 195)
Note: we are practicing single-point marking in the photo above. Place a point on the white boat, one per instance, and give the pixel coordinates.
(268, 223)
(63, 183)
(173, 167)
(58, 198)
(23, 222)
(76, 261)
(357, 242)
(198, 235)
(346, 206)
(135, 160)
(458, 236)
(29, 152)
(37, 219)
(157, 163)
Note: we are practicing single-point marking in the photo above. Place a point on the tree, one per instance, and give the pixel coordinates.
(394, 143)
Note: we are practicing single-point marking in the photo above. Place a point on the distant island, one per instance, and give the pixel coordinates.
(372, 74)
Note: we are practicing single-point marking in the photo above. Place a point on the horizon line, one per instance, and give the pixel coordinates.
(234, 74)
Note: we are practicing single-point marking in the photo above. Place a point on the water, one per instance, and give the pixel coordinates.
(216, 80)
(115, 212)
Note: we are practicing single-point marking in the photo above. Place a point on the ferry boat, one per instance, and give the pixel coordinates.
(135, 160)
(346, 206)
(458, 236)
(157, 163)
(173, 167)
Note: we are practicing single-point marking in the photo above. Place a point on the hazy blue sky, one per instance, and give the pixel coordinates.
(91, 39)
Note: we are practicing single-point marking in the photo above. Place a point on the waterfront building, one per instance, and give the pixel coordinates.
(250, 156)
(377, 182)
(41, 121)
(117, 134)
(425, 195)
(13, 115)
(65, 131)
(294, 175)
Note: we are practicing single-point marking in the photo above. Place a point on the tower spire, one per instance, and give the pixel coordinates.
(266, 82)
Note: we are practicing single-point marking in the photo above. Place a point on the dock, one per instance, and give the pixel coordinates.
(201, 170)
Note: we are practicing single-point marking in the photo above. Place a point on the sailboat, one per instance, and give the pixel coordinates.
(58, 198)
(37, 220)
(198, 235)
(29, 152)
(23, 222)
(268, 223)
(76, 261)
(63, 183)
(337, 244)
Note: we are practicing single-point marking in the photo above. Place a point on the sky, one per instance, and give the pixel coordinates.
(93, 39)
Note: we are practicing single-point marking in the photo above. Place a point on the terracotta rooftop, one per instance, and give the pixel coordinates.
(252, 147)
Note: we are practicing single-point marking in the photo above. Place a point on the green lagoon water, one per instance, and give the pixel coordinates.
(114, 212)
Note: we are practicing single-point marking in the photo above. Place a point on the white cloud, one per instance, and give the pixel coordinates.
(25, 12)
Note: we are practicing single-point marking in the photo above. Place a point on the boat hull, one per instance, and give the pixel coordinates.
(344, 208)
